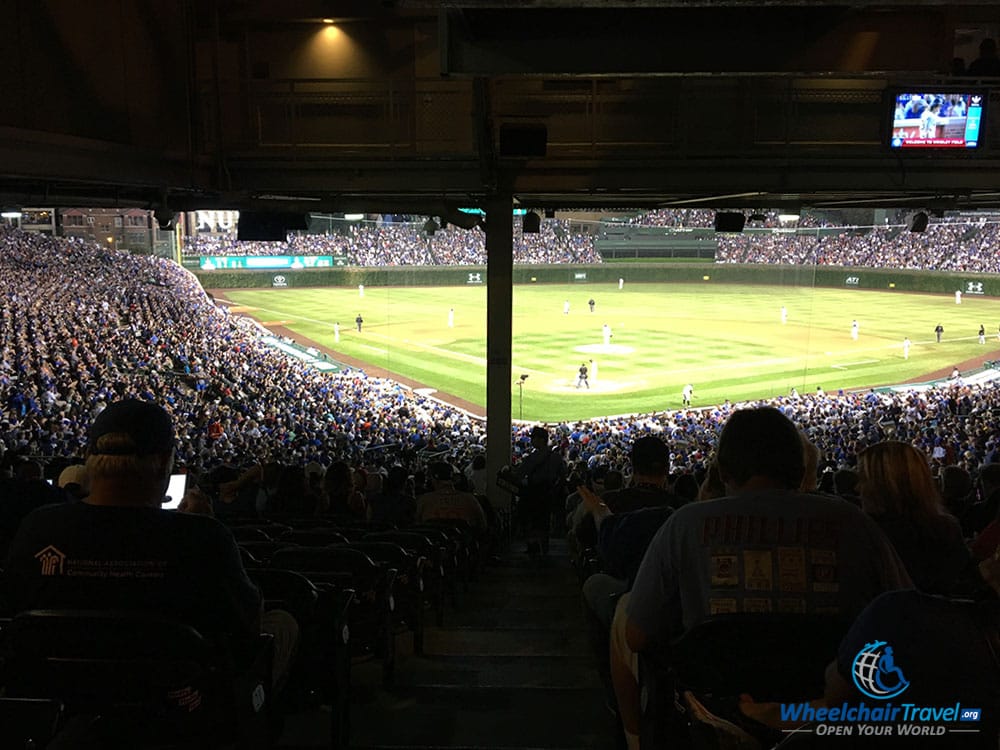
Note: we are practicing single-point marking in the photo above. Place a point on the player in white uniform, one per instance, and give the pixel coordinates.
(784, 315)
(566, 307)
(854, 330)
(336, 332)
(906, 348)
(686, 393)
(606, 331)
(958, 296)
(451, 317)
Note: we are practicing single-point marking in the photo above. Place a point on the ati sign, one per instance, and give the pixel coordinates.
(475, 278)
(974, 287)
(580, 276)
(852, 281)
(279, 280)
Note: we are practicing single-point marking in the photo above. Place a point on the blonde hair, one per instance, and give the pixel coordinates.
(114, 457)
(895, 478)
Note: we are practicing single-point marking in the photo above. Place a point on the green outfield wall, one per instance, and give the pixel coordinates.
(699, 273)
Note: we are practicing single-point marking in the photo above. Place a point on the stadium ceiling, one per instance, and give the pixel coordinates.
(423, 107)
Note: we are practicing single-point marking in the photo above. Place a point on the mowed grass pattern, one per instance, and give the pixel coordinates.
(726, 340)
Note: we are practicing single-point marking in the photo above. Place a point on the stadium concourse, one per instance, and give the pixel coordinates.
(954, 243)
(508, 664)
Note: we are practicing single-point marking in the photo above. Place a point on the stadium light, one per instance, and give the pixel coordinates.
(10, 213)
(788, 215)
(354, 217)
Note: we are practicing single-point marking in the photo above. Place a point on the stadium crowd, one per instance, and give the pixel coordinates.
(85, 325)
(407, 243)
(950, 244)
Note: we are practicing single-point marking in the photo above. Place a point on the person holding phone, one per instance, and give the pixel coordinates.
(118, 550)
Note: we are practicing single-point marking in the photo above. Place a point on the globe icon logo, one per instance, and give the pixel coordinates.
(875, 672)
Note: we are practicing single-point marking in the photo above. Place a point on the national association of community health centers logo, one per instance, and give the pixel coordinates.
(875, 672)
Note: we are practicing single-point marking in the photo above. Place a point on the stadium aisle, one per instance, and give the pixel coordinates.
(510, 670)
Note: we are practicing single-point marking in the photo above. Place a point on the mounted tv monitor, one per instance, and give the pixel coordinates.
(929, 119)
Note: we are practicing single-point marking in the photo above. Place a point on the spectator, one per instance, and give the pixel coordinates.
(395, 504)
(445, 500)
(540, 476)
(987, 65)
(74, 482)
(118, 550)
(341, 496)
(899, 493)
(735, 547)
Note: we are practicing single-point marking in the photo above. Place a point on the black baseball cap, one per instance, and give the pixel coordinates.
(650, 454)
(148, 425)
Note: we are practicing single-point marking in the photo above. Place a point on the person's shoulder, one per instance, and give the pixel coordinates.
(53, 512)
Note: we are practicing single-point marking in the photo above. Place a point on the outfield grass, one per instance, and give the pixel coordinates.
(726, 340)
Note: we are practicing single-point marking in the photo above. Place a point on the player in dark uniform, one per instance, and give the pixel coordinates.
(938, 330)
(581, 378)
(358, 321)
(591, 303)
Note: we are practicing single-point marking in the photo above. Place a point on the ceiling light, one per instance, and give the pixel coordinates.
(354, 217)
(787, 215)
(327, 20)
(10, 213)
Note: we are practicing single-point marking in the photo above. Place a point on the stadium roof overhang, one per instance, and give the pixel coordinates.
(638, 104)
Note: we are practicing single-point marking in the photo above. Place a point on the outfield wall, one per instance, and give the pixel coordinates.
(702, 273)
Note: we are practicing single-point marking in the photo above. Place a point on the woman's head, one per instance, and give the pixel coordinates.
(894, 477)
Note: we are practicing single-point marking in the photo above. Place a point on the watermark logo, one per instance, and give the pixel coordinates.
(875, 672)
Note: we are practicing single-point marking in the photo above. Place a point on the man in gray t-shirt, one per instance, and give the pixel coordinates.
(765, 547)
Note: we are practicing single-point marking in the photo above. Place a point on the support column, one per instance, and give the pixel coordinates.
(499, 312)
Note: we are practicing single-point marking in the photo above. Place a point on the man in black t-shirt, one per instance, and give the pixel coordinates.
(358, 321)
(581, 378)
(591, 303)
(118, 550)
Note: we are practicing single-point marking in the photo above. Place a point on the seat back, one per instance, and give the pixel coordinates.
(314, 537)
(28, 722)
(287, 590)
(773, 657)
(152, 674)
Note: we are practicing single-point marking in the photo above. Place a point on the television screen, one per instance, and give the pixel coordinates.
(936, 120)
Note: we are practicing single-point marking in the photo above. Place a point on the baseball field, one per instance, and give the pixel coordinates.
(727, 341)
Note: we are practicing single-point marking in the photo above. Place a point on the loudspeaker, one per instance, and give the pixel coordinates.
(729, 222)
(268, 227)
(523, 140)
(917, 222)
(531, 223)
